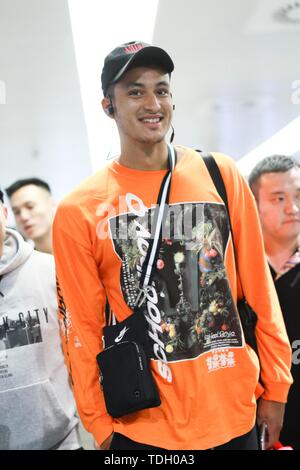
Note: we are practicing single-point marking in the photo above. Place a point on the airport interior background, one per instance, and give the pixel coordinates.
(236, 83)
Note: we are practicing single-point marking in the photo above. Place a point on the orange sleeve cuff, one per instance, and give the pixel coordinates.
(101, 429)
(276, 392)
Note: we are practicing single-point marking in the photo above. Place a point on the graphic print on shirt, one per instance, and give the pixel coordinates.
(21, 328)
(189, 306)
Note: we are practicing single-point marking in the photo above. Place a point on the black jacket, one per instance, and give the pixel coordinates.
(288, 291)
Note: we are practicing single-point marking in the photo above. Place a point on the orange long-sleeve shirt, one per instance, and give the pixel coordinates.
(207, 376)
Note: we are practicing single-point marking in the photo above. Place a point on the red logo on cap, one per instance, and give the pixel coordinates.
(132, 48)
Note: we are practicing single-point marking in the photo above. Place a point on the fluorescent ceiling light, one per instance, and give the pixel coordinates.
(98, 27)
(285, 142)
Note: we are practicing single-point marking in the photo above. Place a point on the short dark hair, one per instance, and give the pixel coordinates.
(272, 164)
(110, 93)
(25, 182)
(1, 197)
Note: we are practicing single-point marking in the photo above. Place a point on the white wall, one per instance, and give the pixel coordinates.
(42, 127)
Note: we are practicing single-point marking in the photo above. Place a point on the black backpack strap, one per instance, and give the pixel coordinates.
(216, 176)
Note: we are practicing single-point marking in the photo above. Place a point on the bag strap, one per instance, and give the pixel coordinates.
(155, 241)
(216, 176)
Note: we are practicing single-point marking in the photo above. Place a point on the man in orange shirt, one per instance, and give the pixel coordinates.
(206, 375)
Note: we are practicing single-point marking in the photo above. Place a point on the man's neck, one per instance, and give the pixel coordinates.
(145, 157)
(44, 244)
(280, 251)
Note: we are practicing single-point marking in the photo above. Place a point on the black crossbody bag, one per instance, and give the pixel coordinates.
(247, 315)
(125, 373)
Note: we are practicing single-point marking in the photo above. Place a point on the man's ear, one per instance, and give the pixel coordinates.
(107, 107)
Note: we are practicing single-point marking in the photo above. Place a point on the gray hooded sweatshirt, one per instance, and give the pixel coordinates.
(37, 408)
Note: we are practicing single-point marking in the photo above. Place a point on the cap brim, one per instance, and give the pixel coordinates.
(150, 55)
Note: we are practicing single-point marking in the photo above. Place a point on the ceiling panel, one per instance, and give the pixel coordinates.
(232, 84)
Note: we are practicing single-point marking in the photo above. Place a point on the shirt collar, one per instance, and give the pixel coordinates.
(289, 264)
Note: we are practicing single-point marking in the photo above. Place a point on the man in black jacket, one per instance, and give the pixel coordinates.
(275, 182)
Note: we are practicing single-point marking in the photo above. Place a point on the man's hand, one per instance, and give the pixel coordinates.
(105, 444)
(272, 413)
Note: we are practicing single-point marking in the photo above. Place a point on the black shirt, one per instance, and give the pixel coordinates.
(288, 291)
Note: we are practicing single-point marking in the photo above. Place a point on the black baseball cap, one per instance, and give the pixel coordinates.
(132, 54)
(1, 196)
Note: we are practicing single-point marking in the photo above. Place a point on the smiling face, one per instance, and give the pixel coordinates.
(33, 209)
(279, 204)
(143, 105)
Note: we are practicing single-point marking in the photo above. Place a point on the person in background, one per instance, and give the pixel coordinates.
(275, 182)
(37, 407)
(206, 375)
(34, 208)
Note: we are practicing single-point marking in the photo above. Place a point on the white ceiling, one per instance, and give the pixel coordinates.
(42, 128)
(232, 83)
